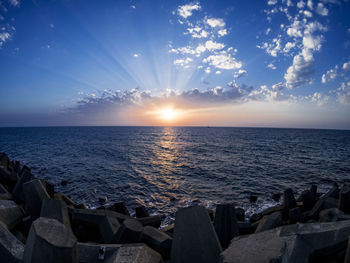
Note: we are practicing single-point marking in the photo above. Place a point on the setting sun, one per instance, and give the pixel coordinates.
(168, 114)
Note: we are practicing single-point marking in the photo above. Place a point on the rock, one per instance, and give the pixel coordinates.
(276, 197)
(50, 189)
(292, 243)
(18, 194)
(225, 223)
(308, 199)
(347, 256)
(254, 218)
(169, 230)
(66, 199)
(269, 221)
(50, 241)
(11, 249)
(294, 215)
(129, 232)
(56, 209)
(34, 194)
(8, 178)
(240, 214)
(64, 182)
(245, 228)
(332, 215)
(344, 199)
(154, 221)
(93, 225)
(120, 208)
(253, 198)
(10, 213)
(157, 240)
(333, 192)
(128, 253)
(141, 212)
(272, 209)
(102, 199)
(4, 194)
(195, 239)
(321, 204)
(288, 202)
(24, 225)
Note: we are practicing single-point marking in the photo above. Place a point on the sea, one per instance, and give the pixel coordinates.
(167, 168)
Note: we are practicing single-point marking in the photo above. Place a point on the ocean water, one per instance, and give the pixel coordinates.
(165, 168)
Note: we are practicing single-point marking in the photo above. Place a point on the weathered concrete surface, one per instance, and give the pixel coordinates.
(93, 225)
(288, 202)
(269, 221)
(119, 207)
(293, 243)
(4, 194)
(65, 198)
(129, 232)
(50, 241)
(10, 213)
(347, 256)
(154, 221)
(11, 249)
(294, 215)
(246, 228)
(157, 240)
(34, 193)
(321, 204)
(195, 239)
(56, 209)
(127, 253)
(225, 223)
(344, 199)
(18, 194)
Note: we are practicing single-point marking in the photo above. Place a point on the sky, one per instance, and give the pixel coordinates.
(264, 63)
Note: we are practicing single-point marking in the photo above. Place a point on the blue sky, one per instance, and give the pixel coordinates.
(273, 63)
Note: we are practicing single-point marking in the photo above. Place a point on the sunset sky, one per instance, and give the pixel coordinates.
(273, 63)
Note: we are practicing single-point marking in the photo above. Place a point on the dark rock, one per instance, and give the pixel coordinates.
(292, 243)
(129, 232)
(154, 221)
(64, 182)
(102, 199)
(269, 221)
(276, 197)
(8, 178)
(240, 214)
(50, 188)
(194, 239)
(211, 214)
(55, 209)
(24, 225)
(128, 253)
(225, 223)
(294, 215)
(4, 194)
(333, 192)
(253, 198)
(321, 204)
(332, 215)
(344, 199)
(18, 194)
(34, 194)
(157, 240)
(255, 217)
(10, 214)
(308, 199)
(141, 211)
(50, 241)
(288, 203)
(120, 208)
(245, 228)
(11, 249)
(93, 225)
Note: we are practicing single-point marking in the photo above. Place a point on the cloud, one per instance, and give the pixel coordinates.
(212, 45)
(240, 73)
(222, 32)
(300, 72)
(183, 62)
(187, 10)
(344, 93)
(346, 66)
(272, 2)
(197, 32)
(319, 99)
(321, 10)
(223, 60)
(215, 22)
(301, 4)
(4, 36)
(14, 2)
(271, 66)
(330, 75)
(136, 55)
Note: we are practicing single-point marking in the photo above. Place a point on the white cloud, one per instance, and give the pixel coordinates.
(223, 60)
(272, 48)
(222, 32)
(330, 75)
(215, 22)
(14, 2)
(287, 48)
(312, 42)
(133, 7)
(310, 4)
(207, 70)
(136, 55)
(240, 73)
(197, 32)
(307, 13)
(344, 93)
(301, 4)
(187, 10)
(346, 66)
(300, 72)
(4, 36)
(272, 2)
(268, 30)
(212, 45)
(218, 72)
(321, 10)
(271, 66)
(319, 99)
(183, 62)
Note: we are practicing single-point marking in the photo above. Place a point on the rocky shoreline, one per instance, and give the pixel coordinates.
(38, 224)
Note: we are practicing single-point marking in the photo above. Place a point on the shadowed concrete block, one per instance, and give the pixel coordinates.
(333, 215)
(8, 178)
(308, 199)
(4, 194)
(344, 199)
(333, 192)
(10, 213)
(93, 225)
(269, 221)
(195, 239)
(245, 228)
(294, 215)
(154, 221)
(323, 203)
(293, 243)
(17, 192)
(11, 249)
(129, 232)
(50, 241)
(225, 223)
(157, 240)
(126, 253)
(34, 193)
(288, 202)
(240, 214)
(55, 209)
(141, 211)
(65, 198)
(120, 208)
(347, 256)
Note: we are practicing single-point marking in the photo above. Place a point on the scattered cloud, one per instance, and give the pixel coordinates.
(346, 66)
(330, 75)
(133, 7)
(136, 55)
(271, 66)
(222, 32)
(183, 62)
(344, 93)
(321, 9)
(223, 60)
(186, 10)
(215, 22)
(14, 2)
(319, 99)
(240, 73)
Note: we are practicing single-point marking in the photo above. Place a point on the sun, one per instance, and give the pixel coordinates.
(168, 114)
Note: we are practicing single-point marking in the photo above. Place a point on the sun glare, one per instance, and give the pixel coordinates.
(168, 114)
